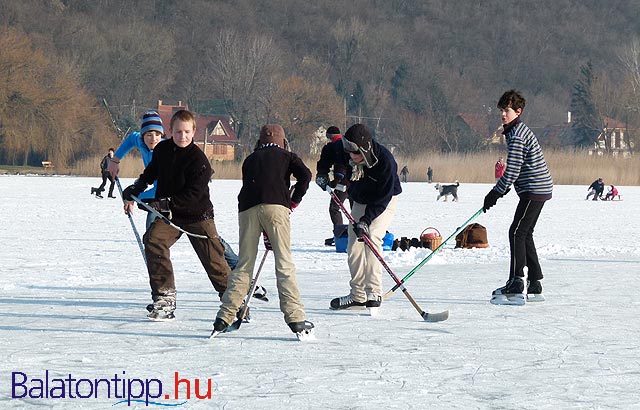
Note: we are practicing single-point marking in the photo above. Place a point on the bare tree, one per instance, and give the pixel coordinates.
(241, 67)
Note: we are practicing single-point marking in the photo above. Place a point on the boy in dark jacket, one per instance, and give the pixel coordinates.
(528, 172)
(182, 172)
(264, 205)
(373, 188)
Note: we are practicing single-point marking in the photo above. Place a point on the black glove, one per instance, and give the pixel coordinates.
(322, 180)
(267, 242)
(136, 189)
(491, 199)
(162, 205)
(361, 229)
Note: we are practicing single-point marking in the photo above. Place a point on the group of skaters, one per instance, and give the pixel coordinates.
(596, 190)
(352, 166)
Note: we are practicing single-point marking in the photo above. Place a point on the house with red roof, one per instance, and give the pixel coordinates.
(214, 133)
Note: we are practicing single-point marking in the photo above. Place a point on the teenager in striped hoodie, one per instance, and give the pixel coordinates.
(528, 172)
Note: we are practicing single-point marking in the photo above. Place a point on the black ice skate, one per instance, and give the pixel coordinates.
(510, 294)
(261, 293)
(219, 326)
(346, 302)
(373, 304)
(303, 330)
(534, 291)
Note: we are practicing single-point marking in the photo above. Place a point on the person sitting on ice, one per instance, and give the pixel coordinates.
(612, 193)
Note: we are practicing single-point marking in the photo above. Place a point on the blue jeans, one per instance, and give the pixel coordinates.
(229, 255)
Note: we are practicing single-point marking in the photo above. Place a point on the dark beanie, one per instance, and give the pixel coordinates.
(333, 131)
(272, 134)
(151, 121)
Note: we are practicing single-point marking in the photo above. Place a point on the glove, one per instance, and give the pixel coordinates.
(162, 205)
(136, 189)
(294, 205)
(491, 199)
(267, 243)
(339, 172)
(361, 229)
(322, 180)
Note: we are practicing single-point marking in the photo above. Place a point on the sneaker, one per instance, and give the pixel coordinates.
(219, 326)
(98, 195)
(112, 196)
(346, 302)
(534, 291)
(329, 241)
(510, 294)
(94, 190)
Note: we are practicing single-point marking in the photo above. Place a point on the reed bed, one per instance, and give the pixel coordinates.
(567, 168)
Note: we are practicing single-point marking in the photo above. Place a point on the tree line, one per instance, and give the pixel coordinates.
(405, 68)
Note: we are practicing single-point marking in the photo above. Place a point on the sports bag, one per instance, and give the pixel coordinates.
(472, 236)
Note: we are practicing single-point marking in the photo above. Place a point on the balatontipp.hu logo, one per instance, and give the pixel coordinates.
(125, 390)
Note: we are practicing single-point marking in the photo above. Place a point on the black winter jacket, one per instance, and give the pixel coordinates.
(183, 175)
(266, 176)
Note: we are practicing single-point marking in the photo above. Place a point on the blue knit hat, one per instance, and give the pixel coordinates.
(151, 121)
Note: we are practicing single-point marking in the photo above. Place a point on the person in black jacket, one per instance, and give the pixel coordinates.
(329, 161)
(104, 171)
(596, 189)
(374, 187)
(182, 172)
(264, 205)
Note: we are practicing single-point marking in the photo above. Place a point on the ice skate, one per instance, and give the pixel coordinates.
(534, 291)
(219, 326)
(303, 330)
(373, 304)
(162, 310)
(346, 302)
(510, 294)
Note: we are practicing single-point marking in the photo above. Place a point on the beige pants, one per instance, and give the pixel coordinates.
(366, 270)
(274, 220)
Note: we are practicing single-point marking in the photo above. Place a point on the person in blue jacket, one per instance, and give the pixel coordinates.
(151, 133)
(374, 188)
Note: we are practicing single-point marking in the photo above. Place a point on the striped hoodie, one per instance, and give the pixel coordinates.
(526, 168)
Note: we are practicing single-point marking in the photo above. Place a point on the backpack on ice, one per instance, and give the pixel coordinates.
(472, 236)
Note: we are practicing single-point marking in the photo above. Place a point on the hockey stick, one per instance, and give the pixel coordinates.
(428, 317)
(165, 219)
(254, 284)
(133, 225)
(425, 260)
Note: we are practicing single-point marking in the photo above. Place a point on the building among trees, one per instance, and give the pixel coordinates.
(214, 134)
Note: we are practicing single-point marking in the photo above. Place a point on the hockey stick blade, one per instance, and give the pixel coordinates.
(435, 317)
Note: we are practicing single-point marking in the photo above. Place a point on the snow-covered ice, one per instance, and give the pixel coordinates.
(73, 291)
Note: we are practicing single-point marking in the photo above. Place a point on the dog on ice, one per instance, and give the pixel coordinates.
(446, 190)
